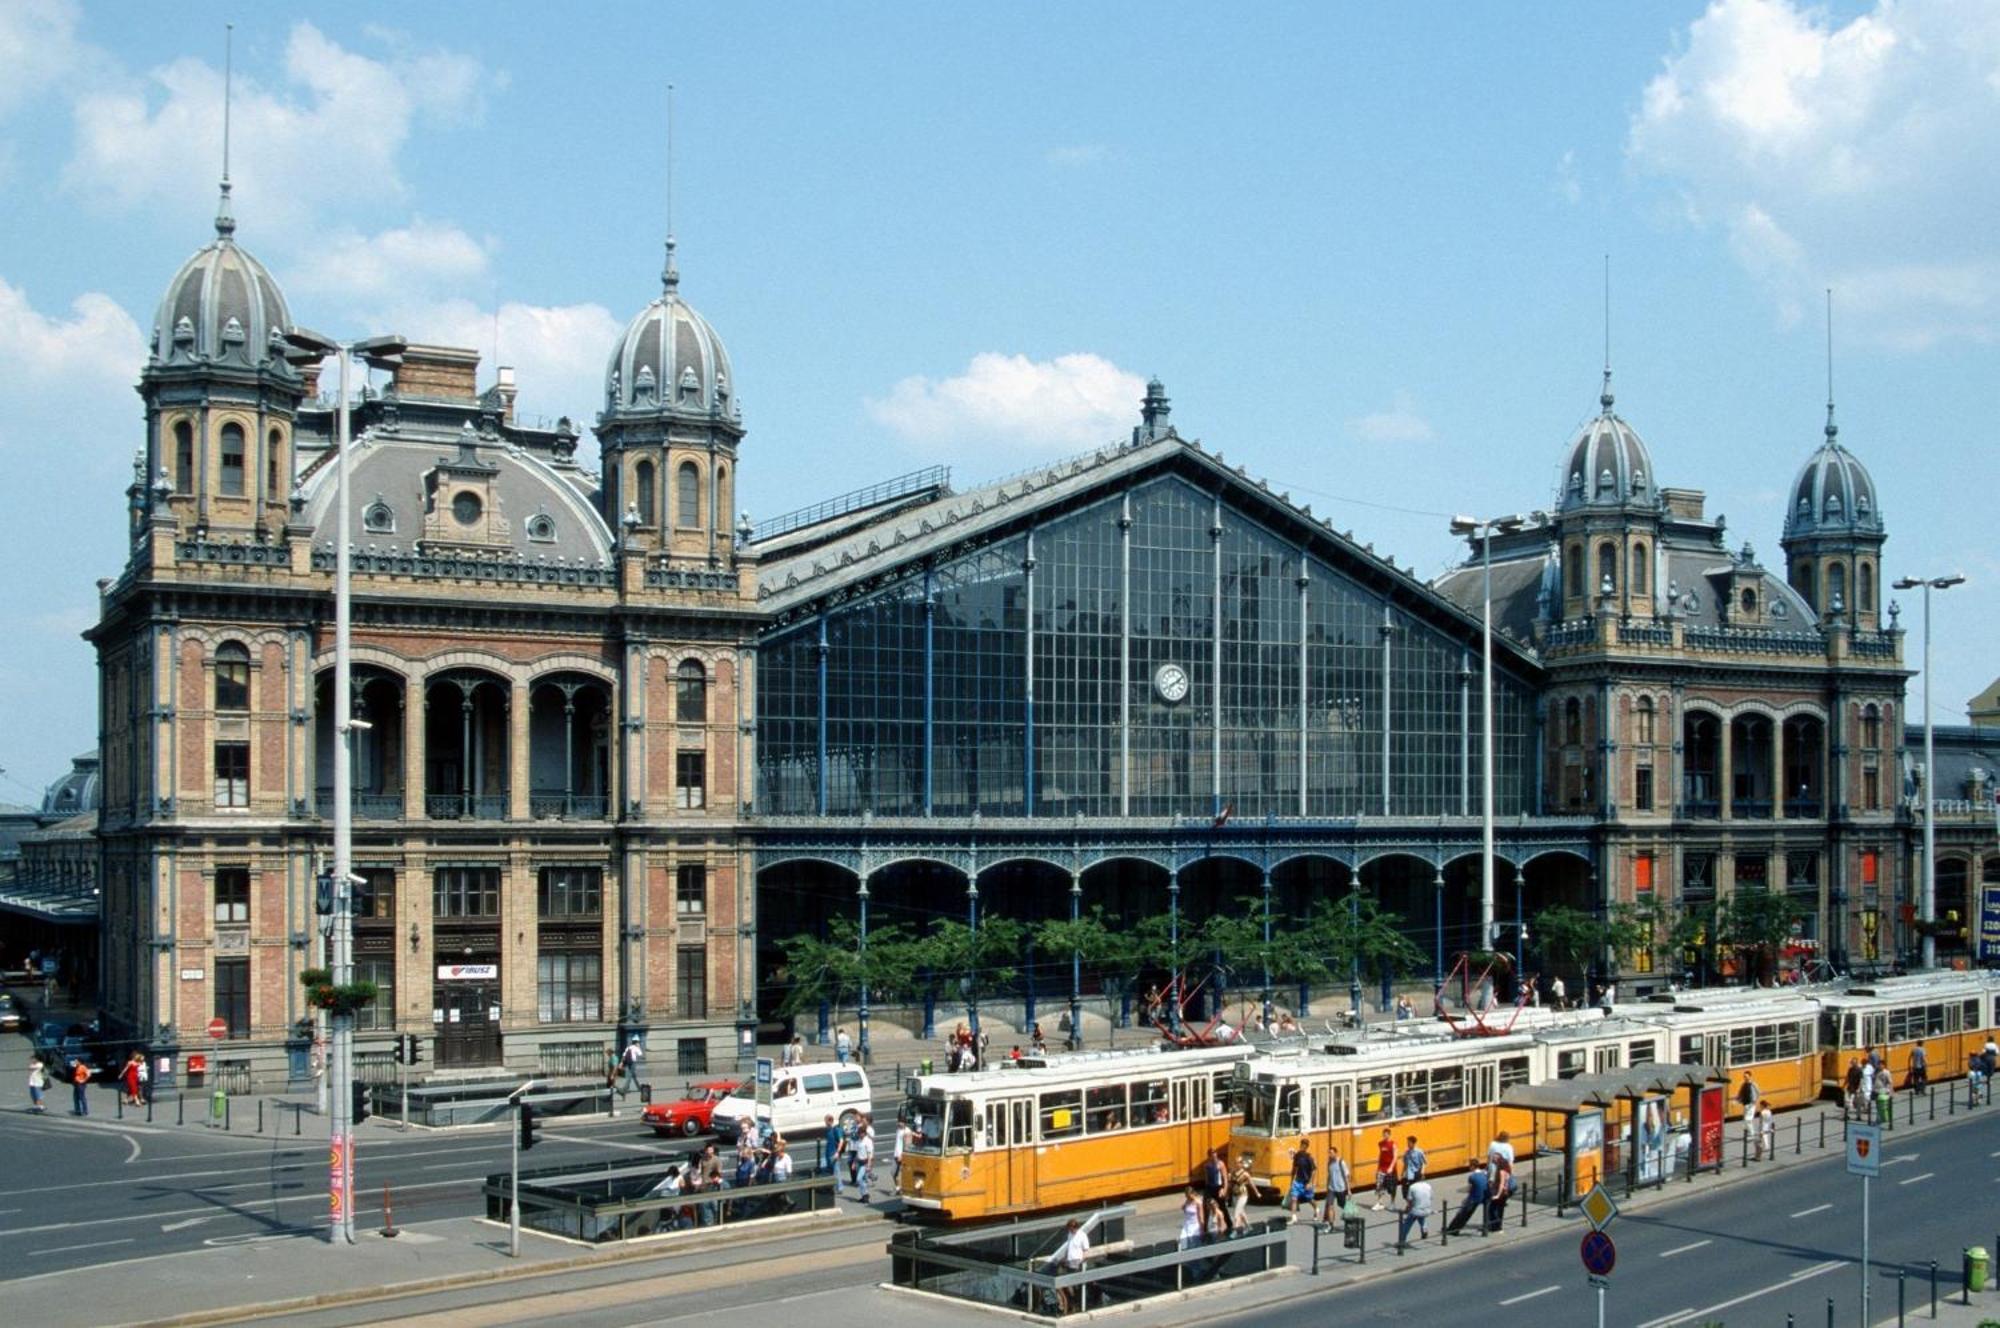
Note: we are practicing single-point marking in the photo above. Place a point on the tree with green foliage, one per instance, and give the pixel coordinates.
(1756, 924)
(980, 961)
(832, 969)
(1568, 939)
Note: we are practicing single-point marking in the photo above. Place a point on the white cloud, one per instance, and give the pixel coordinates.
(335, 117)
(1077, 155)
(39, 50)
(1069, 402)
(391, 264)
(1856, 155)
(1568, 185)
(98, 347)
(1400, 423)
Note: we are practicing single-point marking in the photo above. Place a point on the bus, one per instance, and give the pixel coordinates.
(1075, 1129)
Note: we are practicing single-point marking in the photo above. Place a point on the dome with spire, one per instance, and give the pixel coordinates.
(222, 308)
(1833, 493)
(1606, 464)
(670, 362)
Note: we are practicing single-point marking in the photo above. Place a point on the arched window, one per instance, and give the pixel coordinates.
(1572, 722)
(1802, 581)
(1576, 571)
(718, 502)
(1866, 589)
(687, 498)
(183, 457)
(1871, 728)
(691, 693)
(1836, 588)
(1641, 580)
(642, 492)
(274, 451)
(232, 677)
(1607, 568)
(232, 460)
(1646, 717)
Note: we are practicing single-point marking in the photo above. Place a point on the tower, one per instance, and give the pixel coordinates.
(669, 429)
(1833, 535)
(221, 397)
(1607, 519)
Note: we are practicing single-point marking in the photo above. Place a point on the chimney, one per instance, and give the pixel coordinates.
(438, 373)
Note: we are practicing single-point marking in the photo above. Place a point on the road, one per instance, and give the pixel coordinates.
(1749, 1253)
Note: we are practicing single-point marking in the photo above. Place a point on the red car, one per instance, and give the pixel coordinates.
(690, 1115)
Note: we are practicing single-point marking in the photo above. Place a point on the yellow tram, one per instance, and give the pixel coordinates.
(1769, 1034)
(1078, 1129)
(1952, 1014)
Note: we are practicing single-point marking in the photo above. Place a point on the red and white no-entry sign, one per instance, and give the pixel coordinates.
(218, 1028)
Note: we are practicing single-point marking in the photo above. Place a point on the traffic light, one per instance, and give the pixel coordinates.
(360, 1102)
(323, 894)
(406, 1049)
(528, 1127)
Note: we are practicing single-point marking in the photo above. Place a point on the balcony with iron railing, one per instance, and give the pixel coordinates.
(1804, 808)
(569, 806)
(466, 806)
(366, 804)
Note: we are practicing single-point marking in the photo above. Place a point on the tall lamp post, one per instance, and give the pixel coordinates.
(1927, 900)
(861, 1014)
(1484, 530)
(382, 353)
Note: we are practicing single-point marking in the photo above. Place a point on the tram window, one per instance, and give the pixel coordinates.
(1374, 1102)
(1606, 1059)
(1849, 1035)
(1062, 1115)
(995, 1135)
(1791, 1040)
(1766, 1041)
(958, 1129)
(1829, 1030)
(1934, 1020)
(1149, 1101)
(1104, 1108)
(1479, 1084)
(1971, 1014)
(1902, 1027)
(1413, 1092)
(1322, 1107)
(928, 1124)
(1223, 1100)
(1742, 1046)
(1569, 1064)
(1690, 1049)
(1640, 1052)
(1513, 1070)
(1875, 1029)
(1447, 1088)
(1197, 1098)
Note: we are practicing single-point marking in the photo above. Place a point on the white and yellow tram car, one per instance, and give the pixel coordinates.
(1952, 1014)
(1080, 1129)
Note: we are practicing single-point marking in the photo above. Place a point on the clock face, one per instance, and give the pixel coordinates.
(1171, 682)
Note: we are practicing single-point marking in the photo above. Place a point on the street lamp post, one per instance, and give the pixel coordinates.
(861, 1003)
(1075, 962)
(1468, 526)
(1927, 899)
(972, 959)
(379, 352)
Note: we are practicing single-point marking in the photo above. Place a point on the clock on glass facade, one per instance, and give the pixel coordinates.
(1170, 682)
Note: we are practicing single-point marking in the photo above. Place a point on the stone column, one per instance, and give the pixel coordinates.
(415, 709)
(517, 751)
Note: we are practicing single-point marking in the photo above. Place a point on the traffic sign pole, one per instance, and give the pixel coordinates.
(1866, 1184)
(1864, 1159)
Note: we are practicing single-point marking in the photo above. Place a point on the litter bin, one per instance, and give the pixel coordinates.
(1353, 1232)
(1975, 1268)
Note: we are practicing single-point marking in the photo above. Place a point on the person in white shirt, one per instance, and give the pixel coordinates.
(896, 1154)
(795, 1051)
(864, 1157)
(1068, 1258)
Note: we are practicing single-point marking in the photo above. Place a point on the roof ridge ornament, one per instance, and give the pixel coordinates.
(225, 221)
(670, 276)
(1832, 429)
(1604, 398)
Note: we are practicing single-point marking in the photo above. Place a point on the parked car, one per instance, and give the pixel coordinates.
(692, 1112)
(13, 1014)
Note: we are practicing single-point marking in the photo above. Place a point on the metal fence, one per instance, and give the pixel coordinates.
(598, 1203)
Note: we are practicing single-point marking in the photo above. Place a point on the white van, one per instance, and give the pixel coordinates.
(802, 1097)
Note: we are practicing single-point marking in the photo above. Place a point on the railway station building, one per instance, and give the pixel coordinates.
(620, 745)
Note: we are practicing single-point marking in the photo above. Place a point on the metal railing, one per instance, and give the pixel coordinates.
(373, 805)
(916, 481)
(598, 1203)
(568, 806)
(1803, 809)
(572, 1058)
(465, 806)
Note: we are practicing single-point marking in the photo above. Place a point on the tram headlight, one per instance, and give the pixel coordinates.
(917, 1183)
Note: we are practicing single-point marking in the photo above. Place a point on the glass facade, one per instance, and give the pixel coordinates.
(1157, 653)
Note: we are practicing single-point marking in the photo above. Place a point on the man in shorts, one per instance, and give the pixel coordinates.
(1385, 1169)
(1301, 1190)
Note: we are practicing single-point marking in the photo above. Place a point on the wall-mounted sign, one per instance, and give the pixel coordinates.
(1989, 925)
(467, 972)
(437, 1016)
(191, 975)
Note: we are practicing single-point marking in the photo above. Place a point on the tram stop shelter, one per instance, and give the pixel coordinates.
(1587, 1123)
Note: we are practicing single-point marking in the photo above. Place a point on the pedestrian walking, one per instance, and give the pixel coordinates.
(1301, 1188)
(38, 1083)
(1499, 1188)
(795, 1051)
(1215, 1190)
(1416, 1212)
(1414, 1162)
(129, 1078)
(1767, 1132)
(79, 1078)
(1242, 1185)
(1866, 1102)
(145, 1078)
(1068, 1258)
(1385, 1169)
(1558, 998)
(1337, 1182)
(1194, 1220)
(629, 1062)
(1477, 1185)
(1852, 1083)
(843, 1046)
(864, 1157)
(832, 1144)
(1920, 1068)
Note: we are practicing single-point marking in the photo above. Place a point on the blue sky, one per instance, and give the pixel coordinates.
(1362, 245)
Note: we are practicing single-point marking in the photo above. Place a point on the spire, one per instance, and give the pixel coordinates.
(1832, 429)
(1604, 397)
(225, 221)
(670, 276)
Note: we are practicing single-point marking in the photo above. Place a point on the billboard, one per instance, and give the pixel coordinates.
(1989, 925)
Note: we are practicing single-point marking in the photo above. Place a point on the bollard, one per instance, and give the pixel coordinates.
(1932, 1095)
(260, 1115)
(1902, 1276)
(298, 1112)
(388, 1216)
(1315, 1266)
(228, 1113)
(1822, 1129)
(119, 1102)
(1798, 1136)
(149, 1106)
(180, 1110)
(1934, 1288)
(1829, 1312)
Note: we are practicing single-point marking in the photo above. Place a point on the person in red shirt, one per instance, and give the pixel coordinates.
(1385, 1169)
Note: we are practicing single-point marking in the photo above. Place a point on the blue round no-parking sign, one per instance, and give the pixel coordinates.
(1599, 1254)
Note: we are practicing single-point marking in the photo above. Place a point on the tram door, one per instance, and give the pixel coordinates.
(1010, 1126)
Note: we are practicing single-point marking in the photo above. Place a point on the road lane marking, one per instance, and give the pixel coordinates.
(1914, 1179)
(1680, 1315)
(93, 1245)
(1808, 1212)
(1907, 1157)
(183, 1224)
(1683, 1249)
(1531, 1295)
(302, 1196)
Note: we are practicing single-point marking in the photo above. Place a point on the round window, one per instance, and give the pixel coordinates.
(466, 508)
